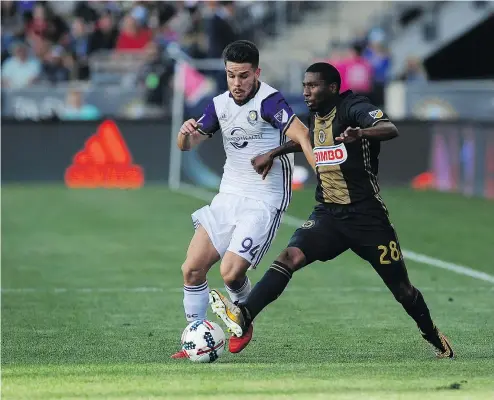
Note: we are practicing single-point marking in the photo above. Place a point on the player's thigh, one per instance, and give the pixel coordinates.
(387, 261)
(319, 237)
(374, 239)
(256, 226)
(216, 220)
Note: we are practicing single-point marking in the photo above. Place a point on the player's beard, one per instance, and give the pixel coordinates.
(249, 95)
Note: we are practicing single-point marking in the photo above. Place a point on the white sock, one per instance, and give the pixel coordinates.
(241, 294)
(196, 301)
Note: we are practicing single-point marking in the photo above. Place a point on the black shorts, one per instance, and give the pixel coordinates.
(363, 227)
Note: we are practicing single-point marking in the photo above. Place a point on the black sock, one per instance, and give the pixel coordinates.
(268, 289)
(419, 311)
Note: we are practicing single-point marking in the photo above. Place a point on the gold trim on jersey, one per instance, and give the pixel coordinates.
(367, 165)
(333, 184)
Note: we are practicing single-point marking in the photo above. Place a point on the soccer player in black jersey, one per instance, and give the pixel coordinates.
(346, 132)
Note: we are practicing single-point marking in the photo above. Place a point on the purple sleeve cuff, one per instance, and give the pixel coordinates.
(276, 111)
(209, 119)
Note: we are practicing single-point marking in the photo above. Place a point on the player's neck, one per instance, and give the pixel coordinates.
(327, 107)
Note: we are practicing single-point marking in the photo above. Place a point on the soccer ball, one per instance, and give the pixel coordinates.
(203, 341)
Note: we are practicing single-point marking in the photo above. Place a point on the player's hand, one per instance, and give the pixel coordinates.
(190, 127)
(262, 164)
(350, 135)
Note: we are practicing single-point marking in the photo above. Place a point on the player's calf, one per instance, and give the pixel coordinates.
(233, 270)
(414, 304)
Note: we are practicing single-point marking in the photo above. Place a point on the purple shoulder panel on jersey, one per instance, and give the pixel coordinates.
(276, 111)
(209, 119)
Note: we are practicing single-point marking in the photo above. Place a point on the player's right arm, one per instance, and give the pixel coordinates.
(194, 132)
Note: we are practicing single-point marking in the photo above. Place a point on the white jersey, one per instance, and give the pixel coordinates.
(248, 130)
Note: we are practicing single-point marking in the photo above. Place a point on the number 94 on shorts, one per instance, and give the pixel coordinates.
(242, 225)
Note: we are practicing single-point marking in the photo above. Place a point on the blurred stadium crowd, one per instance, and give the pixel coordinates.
(123, 43)
(131, 46)
(54, 42)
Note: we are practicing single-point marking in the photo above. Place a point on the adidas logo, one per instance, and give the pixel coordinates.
(104, 162)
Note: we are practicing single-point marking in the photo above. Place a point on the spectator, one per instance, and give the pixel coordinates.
(194, 41)
(415, 71)
(355, 71)
(155, 75)
(75, 108)
(221, 31)
(86, 11)
(105, 35)
(20, 70)
(377, 55)
(79, 46)
(134, 34)
(166, 34)
(47, 25)
(54, 70)
(11, 18)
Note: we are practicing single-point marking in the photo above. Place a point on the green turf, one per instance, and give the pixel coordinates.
(92, 305)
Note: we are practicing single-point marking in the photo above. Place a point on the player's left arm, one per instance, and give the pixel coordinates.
(279, 114)
(299, 133)
(369, 122)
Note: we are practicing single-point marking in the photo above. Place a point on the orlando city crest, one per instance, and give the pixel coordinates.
(252, 117)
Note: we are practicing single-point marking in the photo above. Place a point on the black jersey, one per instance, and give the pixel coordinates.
(346, 173)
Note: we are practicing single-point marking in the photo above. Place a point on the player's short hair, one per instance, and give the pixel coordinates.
(242, 51)
(328, 73)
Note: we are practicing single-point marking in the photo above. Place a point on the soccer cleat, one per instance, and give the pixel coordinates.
(230, 313)
(440, 344)
(237, 344)
(180, 354)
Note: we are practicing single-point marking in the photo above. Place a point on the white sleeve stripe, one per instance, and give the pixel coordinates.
(289, 122)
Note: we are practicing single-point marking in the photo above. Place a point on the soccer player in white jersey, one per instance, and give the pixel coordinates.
(242, 220)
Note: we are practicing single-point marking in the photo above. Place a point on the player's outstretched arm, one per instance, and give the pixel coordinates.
(190, 135)
(383, 130)
(368, 122)
(299, 133)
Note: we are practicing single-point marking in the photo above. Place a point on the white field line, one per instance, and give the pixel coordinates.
(408, 254)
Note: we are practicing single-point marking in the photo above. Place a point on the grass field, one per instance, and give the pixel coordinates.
(92, 305)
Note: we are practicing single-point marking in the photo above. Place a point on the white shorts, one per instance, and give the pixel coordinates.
(244, 226)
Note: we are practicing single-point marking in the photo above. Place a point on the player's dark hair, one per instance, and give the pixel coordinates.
(328, 73)
(242, 51)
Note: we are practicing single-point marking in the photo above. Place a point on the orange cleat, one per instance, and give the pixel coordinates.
(237, 344)
(180, 354)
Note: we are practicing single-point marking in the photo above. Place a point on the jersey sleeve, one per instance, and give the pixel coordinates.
(364, 114)
(209, 119)
(276, 111)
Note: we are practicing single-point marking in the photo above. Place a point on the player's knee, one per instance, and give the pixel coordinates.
(293, 258)
(193, 274)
